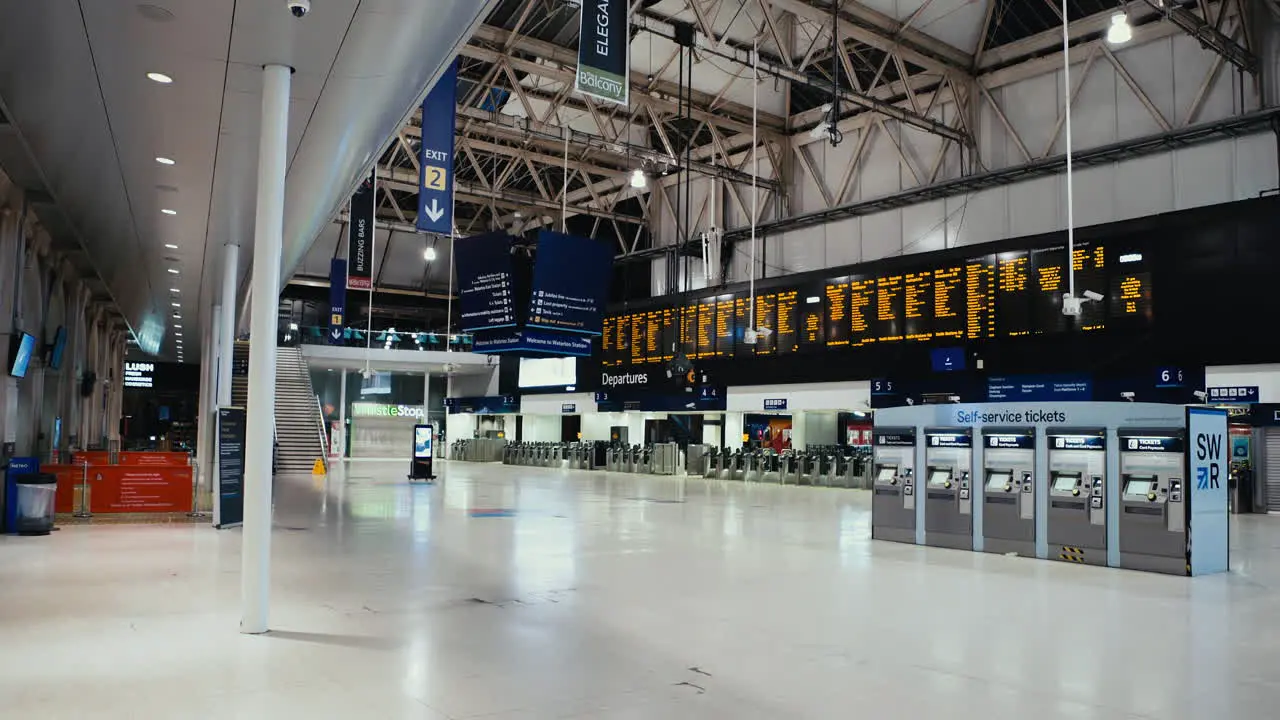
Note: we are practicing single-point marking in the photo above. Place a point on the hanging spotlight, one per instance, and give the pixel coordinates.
(638, 179)
(1120, 31)
(429, 254)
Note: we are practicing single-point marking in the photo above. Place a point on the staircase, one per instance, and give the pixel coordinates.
(297, 415)
(240, 374)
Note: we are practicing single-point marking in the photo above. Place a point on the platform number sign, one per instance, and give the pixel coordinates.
(882, 386)
(433, 177)
(1169, 377)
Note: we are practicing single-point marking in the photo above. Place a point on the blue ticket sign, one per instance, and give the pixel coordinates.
(1234, 394)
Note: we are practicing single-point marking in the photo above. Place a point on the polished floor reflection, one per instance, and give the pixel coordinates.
(510, 593)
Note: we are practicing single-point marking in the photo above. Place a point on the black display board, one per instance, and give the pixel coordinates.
(570, 283)
(486, 285)
(230, 491)
(1000, 295)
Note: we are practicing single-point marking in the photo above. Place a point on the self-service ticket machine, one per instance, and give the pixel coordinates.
(1009, 490)
(893, 498)
(1077, 521)
(948, 508)
(1153, 502)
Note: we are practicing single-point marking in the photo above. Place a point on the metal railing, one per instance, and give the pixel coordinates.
(384, 340)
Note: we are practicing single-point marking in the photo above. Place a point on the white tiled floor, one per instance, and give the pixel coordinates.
(615, 597)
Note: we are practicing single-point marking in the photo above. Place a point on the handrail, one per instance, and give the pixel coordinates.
(324, 455)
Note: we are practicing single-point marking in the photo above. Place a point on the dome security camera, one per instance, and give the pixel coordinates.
(1091, 295)
(299, 8)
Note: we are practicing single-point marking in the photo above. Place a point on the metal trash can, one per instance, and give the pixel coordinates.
(35, 500)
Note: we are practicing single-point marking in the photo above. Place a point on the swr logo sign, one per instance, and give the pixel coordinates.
(1208, 447)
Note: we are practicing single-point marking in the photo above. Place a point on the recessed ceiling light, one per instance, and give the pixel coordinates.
(168, 211)
(176, 304)
(171, 246)
(159, 77)
(174, 290)
(164, 160)
(174, 271)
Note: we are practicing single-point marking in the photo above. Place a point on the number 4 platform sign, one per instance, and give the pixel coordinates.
(435, 178)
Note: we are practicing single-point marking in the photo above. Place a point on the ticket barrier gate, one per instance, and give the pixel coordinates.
(1153, 502)
(1077, 521)
(771, 472)
(1009, 490)
(893, 499)
(737, 466)
(645, 465)
(754, 471)
(948, 509)
(806, 468)
(711, 463)
(787, 467)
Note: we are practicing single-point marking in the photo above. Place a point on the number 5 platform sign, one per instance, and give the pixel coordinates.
(435, 178)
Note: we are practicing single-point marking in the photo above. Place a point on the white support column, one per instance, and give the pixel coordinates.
(342, 414)
(206, 445)
(226, 337)
(268, 239)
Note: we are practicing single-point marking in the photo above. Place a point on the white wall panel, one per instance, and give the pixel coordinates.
(843, 241)
(1145, 186)
(981, 217)
(1255, 165)
(1095, 195)
(880, 173)
(1203, 175)
(1035, 206)
(881, 235)
(552, 404)
(924, 227)
(1266, 377)
(1032, 107)
(851, 395)
(540, 428)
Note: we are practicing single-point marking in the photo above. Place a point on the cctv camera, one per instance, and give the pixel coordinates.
(1200, 395)
(1091, 295)
(299, 8)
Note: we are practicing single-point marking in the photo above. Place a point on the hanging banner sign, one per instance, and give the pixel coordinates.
(360, 237)
(337, 300)
(435, 174)
(604, 51)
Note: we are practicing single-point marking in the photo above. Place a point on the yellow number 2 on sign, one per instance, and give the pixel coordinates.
(433, 178)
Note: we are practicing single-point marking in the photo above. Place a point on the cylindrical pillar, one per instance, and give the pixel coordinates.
(227, 329)
(268, 240)
(205, 424)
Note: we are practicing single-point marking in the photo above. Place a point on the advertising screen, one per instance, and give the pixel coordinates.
(20, 351)
(485, 286)
(422, 441)
(570, 283)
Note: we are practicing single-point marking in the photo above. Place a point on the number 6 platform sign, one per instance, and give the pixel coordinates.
(435, 179)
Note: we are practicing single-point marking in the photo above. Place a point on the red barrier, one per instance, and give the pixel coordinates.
(93, 457)
(154, 458)
(124, 488)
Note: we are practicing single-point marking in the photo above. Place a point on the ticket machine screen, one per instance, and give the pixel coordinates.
(997, 480)
(1065, 482)
(1140, 485)
(939, 476)
(887, 472)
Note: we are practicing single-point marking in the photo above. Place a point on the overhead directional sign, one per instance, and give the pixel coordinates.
(360, 237)
(604, 54)
(435, 174)
(337, 300)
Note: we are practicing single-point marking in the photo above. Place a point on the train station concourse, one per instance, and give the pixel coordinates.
(505, 359)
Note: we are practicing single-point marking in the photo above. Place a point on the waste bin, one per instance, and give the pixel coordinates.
(35, 495)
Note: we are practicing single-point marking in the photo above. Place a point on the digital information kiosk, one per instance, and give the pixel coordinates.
(421, 467)
(1077, 494)
(948, 511)
(1009, 490)
(893, 499)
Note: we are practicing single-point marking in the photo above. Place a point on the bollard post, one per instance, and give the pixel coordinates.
(83, 512)
(195, 494)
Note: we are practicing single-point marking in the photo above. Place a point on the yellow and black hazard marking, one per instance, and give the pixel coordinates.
(1071, 554)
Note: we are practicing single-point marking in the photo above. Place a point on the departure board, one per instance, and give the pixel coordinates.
(980, 298)
(724, 326)
(949, 303)
(767, 318)
(1009, 294)
(653, 336)
(706, 329)
(812, 323)
(889, 325)
(788, 336)
(1013, 284)
(917, 305)
(836, 311)
(1131, 295)
(862, 309)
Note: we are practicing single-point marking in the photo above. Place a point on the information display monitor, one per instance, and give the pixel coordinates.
(997, 480)
(886, 473)
(939, 476)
